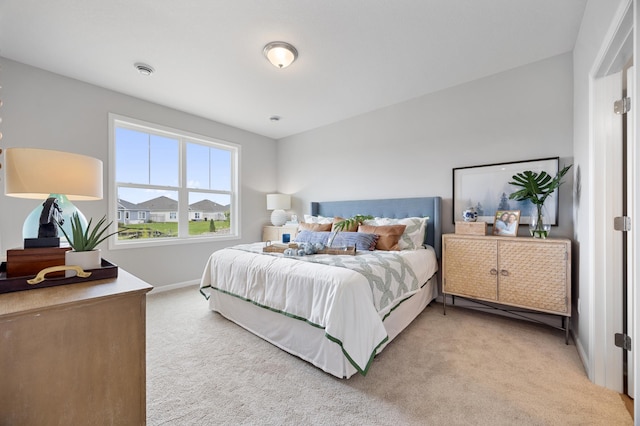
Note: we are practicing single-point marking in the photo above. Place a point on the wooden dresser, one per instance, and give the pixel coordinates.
(522, 272)
(74, 354)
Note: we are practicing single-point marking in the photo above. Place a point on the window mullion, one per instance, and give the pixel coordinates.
(183, 193)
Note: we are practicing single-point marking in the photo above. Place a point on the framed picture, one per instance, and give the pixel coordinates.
(505, 223)
(487, 189)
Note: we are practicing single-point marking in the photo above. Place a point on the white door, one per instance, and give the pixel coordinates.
(615, 174)
(607, 244)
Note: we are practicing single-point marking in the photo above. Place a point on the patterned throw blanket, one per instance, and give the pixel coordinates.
(389, 275)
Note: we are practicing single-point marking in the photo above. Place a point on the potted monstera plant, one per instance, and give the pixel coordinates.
(536, 187)
(84, 242)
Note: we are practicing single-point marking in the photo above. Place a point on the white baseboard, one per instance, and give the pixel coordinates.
(583, 356)
(163, 288)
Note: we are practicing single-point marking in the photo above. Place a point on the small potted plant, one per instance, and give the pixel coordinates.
(536, 187)
(84, 242)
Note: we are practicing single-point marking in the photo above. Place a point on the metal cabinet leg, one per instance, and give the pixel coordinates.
(444, 304)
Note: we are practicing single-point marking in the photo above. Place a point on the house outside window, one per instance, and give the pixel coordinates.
(161, 173)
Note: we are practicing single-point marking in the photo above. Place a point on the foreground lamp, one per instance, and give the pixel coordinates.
(278, 203)
(55, 177)
(280, 53)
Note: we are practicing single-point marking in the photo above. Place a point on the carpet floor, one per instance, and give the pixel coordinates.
(467, 367)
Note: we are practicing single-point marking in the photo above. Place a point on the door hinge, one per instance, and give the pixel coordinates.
(622, 223)
(622, 106)
(622, 341)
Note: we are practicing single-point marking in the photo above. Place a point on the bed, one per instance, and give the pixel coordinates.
(335, 311)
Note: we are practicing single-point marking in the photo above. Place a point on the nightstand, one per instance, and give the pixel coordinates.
(274, 233)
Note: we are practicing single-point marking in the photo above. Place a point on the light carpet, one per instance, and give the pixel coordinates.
(467, 367)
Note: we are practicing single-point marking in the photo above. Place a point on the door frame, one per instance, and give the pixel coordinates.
(634, 205)
(604, 254)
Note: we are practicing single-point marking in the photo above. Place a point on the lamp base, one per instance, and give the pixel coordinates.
(42, 242)
(278, 217)
(32, 222)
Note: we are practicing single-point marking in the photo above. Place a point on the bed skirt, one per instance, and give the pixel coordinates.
(309, 342)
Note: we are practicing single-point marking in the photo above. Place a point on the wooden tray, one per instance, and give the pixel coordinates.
(280, 248)
(7, 285)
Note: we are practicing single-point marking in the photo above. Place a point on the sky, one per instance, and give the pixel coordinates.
(150, 159)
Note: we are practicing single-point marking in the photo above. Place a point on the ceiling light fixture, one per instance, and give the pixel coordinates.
(144, 69)
(280, 53)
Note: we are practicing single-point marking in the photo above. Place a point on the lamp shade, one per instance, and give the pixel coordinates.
(36, 173)
(278, 201)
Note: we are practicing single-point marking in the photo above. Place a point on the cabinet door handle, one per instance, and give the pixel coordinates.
(504, 272)
(493, 271)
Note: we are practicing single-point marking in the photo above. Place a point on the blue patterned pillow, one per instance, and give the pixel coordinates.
(312, 237)
(360, 240)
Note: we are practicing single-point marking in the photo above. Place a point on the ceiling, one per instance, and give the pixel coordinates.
(355, 56)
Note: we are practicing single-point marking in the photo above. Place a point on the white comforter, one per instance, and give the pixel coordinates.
(350, 306)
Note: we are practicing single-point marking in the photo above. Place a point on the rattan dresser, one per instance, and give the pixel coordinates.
(523, 272)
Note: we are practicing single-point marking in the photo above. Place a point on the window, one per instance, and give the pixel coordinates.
(173, 180)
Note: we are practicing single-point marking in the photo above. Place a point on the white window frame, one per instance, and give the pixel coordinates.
(183, 136)
(142, 215)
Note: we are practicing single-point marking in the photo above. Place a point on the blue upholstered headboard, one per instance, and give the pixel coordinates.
(393, 208)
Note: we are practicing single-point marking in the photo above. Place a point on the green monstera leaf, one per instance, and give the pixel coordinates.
(536, 187)
(348, 223)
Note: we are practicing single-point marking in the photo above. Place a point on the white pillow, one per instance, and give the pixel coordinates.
(414, 234)
(317, 219)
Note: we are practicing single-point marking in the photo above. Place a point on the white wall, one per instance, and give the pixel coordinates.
(46, 110)
(596, 21)
(410, 149)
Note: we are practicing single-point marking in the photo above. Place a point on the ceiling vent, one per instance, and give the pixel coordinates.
(144, 69)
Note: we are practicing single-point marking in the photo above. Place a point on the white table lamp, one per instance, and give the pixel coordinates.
(278, 203)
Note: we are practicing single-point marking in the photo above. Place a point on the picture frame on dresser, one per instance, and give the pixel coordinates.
(506, 222)
(487, 189)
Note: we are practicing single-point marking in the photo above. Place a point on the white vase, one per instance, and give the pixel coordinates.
(84, 259)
